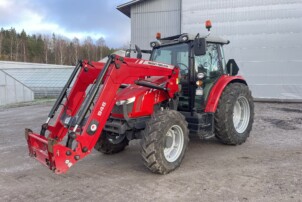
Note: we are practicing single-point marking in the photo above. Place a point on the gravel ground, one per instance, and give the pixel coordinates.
(268, 167)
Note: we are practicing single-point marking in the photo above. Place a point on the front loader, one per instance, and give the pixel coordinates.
(185, 87)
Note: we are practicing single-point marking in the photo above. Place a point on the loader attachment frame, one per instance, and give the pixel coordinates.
(61, 97)
(65, 144)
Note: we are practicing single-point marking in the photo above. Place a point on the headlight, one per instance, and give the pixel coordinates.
(154, 44)
(128, 101)
(185, 38)
(200, 75)
(120, 102)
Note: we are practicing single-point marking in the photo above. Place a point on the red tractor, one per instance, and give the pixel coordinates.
(185, 87)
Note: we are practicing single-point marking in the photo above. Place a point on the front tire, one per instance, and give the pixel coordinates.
(164, 141)
(234, 116)
(105, 146)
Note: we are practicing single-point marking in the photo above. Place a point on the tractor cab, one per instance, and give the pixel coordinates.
(201, 62)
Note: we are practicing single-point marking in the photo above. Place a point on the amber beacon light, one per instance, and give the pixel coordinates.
(158, 35)
(208, 24)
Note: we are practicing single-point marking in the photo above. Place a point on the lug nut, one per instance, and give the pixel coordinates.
(76, 157)
(85, 149)
(68, 152)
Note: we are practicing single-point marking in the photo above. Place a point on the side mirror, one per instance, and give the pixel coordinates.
(232, 67)
(200, 46)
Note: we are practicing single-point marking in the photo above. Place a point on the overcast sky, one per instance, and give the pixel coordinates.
(71, 18)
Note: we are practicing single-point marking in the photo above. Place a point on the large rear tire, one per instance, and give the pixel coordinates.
(107, 146)
(234, 116)
(164, 141)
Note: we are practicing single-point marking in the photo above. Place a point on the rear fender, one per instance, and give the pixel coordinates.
(217, 90)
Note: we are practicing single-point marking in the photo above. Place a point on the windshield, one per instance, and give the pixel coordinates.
(175, 55)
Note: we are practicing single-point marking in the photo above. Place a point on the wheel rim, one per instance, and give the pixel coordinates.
(241, 114)
(115, 139)
(174, 140)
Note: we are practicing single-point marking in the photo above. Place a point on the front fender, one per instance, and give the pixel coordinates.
(217, 90)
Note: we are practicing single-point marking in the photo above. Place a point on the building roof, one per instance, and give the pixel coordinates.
(42, 77)
(27, 65)
(125, 8)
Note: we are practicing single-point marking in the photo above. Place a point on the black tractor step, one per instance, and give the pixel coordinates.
(201, 124)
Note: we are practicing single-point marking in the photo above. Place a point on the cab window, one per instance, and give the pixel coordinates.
(177, 55)
(208, 63)
(174, 54)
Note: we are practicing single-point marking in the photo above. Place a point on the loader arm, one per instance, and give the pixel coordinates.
(65, 145)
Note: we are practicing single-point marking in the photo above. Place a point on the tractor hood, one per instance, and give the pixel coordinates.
(139, 99)
(135, 90)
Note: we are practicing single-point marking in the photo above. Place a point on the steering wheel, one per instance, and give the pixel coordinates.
(183, 71)
(179, 63)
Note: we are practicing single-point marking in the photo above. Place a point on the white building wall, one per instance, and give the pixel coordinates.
(266, 40)
(46, 80)
(12, 91)
(150, 17)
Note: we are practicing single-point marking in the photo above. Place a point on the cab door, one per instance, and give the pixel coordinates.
(211, 65)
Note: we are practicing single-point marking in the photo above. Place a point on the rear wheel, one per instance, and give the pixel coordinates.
(234, 116)
(164, 141)
(110, 143)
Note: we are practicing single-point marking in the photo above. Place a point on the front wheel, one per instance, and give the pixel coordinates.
(111, 144)
(234, 116)
(164, 141)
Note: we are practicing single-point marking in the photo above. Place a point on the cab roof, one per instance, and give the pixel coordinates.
(191, 37)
